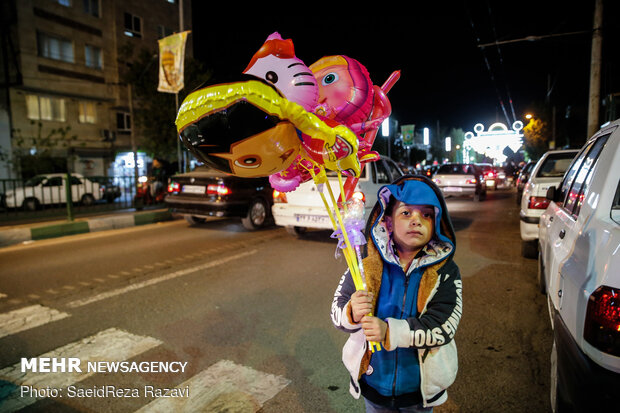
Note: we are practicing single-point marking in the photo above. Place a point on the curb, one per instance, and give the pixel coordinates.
(18, 235)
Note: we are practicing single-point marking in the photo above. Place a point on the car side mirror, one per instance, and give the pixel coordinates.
(551, 193)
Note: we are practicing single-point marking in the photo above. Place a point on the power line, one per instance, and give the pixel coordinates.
(501, 62)
(486, 60)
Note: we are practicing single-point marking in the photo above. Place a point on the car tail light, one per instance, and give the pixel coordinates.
(471, 181)
(538, 202)
(490, 175)
(279, 197)
(219, 189)
(359, 195)
(174, 187)
(602, 325)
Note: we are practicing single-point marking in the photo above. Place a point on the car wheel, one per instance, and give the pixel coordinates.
(192, 220)
(257, 215)
(31, 204)
(297, 231)
(541, 274)
(88, 200)
(529, 249)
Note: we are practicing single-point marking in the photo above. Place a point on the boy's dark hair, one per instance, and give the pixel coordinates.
(389, 208)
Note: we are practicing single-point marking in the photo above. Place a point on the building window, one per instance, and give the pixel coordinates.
(163, 31)
(93, 57)
(87, 112)
(133, 25)
(54, 47)
(91, 7)
(45, 108)
(66, 3)
(123, 122)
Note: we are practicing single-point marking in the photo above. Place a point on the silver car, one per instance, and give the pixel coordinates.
(461, 179)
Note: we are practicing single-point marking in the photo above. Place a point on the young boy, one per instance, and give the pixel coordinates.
(414, 296)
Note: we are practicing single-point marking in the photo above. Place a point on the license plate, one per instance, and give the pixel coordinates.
(317, 219)
(194, 189)
(453, 189)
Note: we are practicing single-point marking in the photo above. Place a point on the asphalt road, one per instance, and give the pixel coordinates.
(248, 314)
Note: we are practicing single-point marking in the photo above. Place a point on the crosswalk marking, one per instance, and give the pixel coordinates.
(152, 281)
(27, 318)
(224, 383)
(108, 345)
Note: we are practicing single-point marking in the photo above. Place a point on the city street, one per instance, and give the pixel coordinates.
(215, 318)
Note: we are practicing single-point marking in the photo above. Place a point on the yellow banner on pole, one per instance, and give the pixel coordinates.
(171, 59)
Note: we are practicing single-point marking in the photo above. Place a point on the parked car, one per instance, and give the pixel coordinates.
(303, 208)
(524, 175)
(547, 172)
(461, 179)
(205, 192)
(578, 261)
(50, 189)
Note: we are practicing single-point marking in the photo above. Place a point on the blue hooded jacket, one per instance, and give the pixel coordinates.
(397, 372)
(422, 307)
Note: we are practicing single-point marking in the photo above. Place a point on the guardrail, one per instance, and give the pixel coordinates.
(45, 196)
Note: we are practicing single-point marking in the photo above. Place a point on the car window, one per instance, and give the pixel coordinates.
(381, 173)
(455, 169)
(579, 187)
(615, 206)
(75, 180)
(555, 165)
(54, 181)
(394, 170)
(569, 178)
(34, 181)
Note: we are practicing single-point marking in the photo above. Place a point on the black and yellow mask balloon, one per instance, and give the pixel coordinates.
(248, 129)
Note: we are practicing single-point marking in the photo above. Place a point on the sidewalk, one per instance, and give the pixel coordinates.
(10, 235)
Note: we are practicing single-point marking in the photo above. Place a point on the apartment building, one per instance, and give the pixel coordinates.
(62, 67)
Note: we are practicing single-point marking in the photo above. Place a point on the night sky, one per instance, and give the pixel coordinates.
(445, 77)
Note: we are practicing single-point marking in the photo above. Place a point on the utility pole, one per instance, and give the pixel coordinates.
(595, 70)
(182, 166)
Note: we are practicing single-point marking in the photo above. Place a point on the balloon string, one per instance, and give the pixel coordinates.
(348, 251)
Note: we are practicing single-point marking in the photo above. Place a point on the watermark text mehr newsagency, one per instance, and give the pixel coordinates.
(74, 364)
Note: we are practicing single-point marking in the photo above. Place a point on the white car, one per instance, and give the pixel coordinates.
(50, 189)
(303, 208)
(579, 269)
(547, 172)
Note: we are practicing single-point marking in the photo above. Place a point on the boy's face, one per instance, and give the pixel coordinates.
(412, 226)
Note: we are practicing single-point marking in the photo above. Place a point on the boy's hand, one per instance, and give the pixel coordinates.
(374, 328)
(361, 304)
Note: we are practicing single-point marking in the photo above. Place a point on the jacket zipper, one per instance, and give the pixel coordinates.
(402, 311)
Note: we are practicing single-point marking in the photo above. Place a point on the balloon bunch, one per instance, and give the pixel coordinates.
(291, 122)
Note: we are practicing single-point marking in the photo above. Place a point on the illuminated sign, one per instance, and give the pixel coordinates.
(495, 140)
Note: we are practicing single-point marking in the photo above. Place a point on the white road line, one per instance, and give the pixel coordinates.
(27, 318)
(225, 386)
(108, 345)
(152, 281)
(2, 295)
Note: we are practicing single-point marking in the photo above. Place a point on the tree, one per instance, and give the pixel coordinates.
(155, 112)
(34, 154)
(536, 137)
